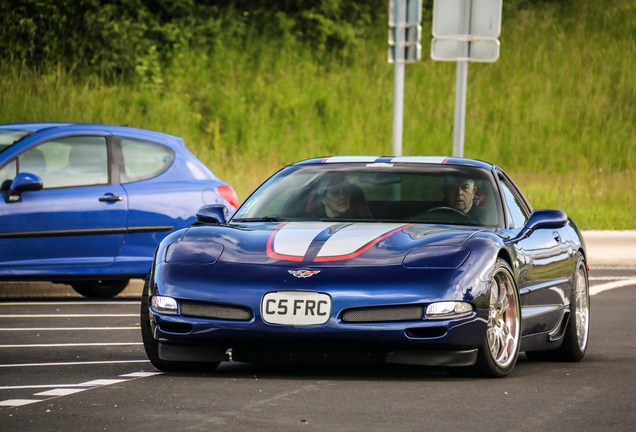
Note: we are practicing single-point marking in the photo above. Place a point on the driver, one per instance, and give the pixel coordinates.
(458, 194)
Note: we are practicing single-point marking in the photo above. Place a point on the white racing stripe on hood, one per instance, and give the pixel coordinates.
(355, 236)
(294, 238)
(420, 159)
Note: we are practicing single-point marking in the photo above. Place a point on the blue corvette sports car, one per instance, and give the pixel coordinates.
(87, 204)
(413, 260)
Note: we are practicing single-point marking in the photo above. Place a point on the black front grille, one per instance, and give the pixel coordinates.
(215, 311)
(383, 314)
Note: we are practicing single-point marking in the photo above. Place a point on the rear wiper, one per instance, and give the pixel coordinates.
(260, 219)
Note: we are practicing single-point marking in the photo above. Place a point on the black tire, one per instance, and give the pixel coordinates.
(576, 335)
(99, 288)
(498, 355)
(151, 345)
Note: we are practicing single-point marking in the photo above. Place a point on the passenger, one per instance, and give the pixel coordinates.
(459, 193)
(334, 196)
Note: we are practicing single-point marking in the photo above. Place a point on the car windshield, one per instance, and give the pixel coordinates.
(8, 137)
(405, 192)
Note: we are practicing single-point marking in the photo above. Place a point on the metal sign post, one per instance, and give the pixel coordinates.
(405, 33)
(461, 81)
(465, 30)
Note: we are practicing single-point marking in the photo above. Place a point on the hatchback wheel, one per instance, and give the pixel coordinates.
(100, 289)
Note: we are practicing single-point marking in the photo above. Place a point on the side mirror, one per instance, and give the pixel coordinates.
(215, 214)
(23, 182)
(543, 219)
(546, 219)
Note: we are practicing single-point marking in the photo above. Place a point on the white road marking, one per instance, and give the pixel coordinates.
(608, 286)
(70, 316)
(84, 384)
(612, 268)
(40, 386)
(60, 392)
(71, 345)
(595, 278)
(18, 402)
(68, 328)
(140, 374)
(102, 382)
(67, 303)
(72, 363)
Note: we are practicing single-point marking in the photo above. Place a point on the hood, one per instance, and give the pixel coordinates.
(322, 244)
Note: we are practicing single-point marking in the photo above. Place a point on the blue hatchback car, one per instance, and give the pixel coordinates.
(87, 204)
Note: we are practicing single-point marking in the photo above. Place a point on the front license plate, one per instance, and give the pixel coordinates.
(296, 308)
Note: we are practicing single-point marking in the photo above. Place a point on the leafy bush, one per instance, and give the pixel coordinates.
(119, 38)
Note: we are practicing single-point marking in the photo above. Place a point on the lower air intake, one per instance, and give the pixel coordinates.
(215, 311)
(383, 314)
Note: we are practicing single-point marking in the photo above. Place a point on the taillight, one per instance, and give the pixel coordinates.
(230, 196)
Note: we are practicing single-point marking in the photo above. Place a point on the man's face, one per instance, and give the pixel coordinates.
(459, 193)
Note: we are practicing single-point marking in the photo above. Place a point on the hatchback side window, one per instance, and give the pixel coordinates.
(7, 174)
(518, 216)
(143, 160)
(68, 162)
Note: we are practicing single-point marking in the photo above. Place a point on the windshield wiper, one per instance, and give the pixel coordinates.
(259, 219)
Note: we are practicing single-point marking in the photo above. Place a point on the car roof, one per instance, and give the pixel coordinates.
(442, 160)
(36, 127)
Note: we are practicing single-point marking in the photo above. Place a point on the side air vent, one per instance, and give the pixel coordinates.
(383, 314)
(172, 327)
(215, 311)
(426, 332)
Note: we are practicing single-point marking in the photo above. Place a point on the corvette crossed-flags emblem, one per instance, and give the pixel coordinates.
(303, 273)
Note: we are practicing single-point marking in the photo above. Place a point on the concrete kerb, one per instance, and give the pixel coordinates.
(611, 248)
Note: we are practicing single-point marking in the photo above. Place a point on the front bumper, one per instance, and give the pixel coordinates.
(316, 353)
(423, 342)
(449, 342)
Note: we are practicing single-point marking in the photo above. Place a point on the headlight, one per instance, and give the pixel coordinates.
(193, 252)
(439, 257)
(166, 305)
(449, 309)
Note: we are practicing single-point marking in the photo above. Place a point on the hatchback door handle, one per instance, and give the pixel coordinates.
(109, 198)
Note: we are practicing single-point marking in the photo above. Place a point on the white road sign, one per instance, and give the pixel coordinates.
(405, 31)
(480, 50)
(484, 22)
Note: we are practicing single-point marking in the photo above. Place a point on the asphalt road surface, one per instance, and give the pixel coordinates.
(70, 364)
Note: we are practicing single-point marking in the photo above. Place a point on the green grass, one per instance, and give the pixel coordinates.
(557, 110)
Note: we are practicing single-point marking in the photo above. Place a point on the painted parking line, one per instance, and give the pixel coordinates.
(67, 303)
(71, 316)
(611, 285)
(140, 374)
(40, 386)
(102, 382)
(87, 344)
(84, 384)
(60, 390)
(72, 363)
(601, 267)
(68, 328)
(601, 278)
(18, 402)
